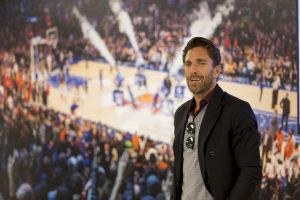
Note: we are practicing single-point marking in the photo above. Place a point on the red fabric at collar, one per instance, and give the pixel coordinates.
(203, 103)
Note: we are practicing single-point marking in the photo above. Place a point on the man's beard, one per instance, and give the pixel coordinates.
(205, 84)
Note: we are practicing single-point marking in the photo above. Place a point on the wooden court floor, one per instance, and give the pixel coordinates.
(97, 105)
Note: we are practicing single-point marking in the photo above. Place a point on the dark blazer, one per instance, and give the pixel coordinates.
(285, 105)
(228, 148)
(268, 146)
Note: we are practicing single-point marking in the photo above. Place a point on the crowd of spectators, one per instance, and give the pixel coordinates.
(56, 154)
(50, 155)
(257, 47)
(281, 163)
(160, 28)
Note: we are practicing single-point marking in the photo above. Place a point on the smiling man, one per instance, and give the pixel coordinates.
(216, 143)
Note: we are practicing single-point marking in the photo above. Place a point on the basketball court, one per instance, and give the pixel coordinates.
(97, 103)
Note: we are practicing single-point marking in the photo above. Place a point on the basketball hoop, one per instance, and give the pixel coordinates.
(52, 36)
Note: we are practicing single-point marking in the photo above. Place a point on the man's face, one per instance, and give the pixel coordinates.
(200, 73)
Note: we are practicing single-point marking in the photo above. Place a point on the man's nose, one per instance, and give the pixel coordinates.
(194, 67)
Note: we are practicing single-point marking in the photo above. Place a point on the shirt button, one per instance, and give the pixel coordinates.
(212, 154)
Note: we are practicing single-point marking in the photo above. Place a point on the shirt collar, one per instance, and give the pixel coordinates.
(203, 102)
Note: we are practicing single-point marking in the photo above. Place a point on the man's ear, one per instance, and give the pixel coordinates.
(217, 71)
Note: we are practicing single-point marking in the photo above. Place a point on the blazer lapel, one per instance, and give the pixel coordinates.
(211, 115)
(178, 142)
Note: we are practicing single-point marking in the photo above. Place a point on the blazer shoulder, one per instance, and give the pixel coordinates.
(239, 108)
(234, 101)
(181, 109)
(183, 106)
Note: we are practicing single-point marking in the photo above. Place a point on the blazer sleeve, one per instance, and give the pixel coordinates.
(245, 145)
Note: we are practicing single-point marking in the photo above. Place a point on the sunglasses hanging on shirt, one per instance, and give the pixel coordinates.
(190, 128)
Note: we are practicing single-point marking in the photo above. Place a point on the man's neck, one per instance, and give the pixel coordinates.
(199, 97)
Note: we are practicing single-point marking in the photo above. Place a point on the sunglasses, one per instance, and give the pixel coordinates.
(190, 128)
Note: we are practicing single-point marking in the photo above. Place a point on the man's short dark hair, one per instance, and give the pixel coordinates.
(212, 49)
